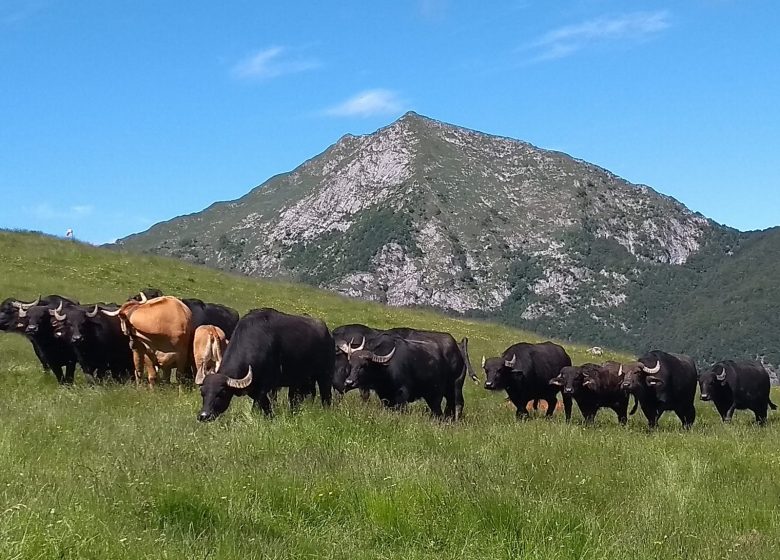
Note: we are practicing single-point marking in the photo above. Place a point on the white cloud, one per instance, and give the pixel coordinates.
(82, 209)
(272, 62)
(367, 104)
(569, 39)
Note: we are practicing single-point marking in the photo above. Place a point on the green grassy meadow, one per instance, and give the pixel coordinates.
(120, 472)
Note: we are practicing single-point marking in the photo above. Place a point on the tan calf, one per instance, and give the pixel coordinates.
(208, 345)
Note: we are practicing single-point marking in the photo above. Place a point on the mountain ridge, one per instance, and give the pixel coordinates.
(425, 213)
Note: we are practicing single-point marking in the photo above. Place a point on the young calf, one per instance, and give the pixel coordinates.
(593, 387)
(208, 346)
(734, 385)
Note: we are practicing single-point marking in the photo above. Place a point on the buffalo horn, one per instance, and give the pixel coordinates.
(241, 383)
(483, 361)
(110, 313)
(620, 371)
(58, 313)
(362, 344)
(22, 313)
(31, 304)
(143, 297)
(93, 313)
(382, 359)
(654, 370)
(511, 363)
(721, 376)
(346, 348)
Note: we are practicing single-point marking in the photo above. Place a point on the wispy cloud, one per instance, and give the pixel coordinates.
(433, 10)
(271, 63)
(82, 209)
(367, 104)
(14, 11)
(567, 40)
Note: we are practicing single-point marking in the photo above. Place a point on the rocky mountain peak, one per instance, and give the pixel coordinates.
(427, 213)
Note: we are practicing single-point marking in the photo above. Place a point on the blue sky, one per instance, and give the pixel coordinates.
(116, 115)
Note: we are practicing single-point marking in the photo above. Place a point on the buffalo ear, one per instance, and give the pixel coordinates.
(557, 381)
(654, 381)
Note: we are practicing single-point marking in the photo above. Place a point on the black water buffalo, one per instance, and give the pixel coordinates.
(402, 365)
(661, 382)
(271, 349)
(57, 353)
(524, 371)
(347, 339)
(10, 322)
(100, 345)
(215, 314)
(732, 385)
(592, 387)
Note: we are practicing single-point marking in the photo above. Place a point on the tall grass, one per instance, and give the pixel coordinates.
(119, 472)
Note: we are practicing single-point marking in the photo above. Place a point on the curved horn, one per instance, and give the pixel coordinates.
(22, 313)
(200, 377)
(654, 370)
(362, 344)
(722, 375)
(31, 304)
(241, 383)
(511, 363)
(110, 313)
(93, 313)
(382, 359)
(58, 313)
(483, 361)
(620, 371)
(344, 347)
(143, 297)
(17, 304)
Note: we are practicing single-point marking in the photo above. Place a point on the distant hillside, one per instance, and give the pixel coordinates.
(422, 213)
(37, 264)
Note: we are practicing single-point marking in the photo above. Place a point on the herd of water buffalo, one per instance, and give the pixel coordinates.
(265, 350)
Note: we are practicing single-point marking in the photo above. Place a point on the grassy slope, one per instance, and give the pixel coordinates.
(116, 472)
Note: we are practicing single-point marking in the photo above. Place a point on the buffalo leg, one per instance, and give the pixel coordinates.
(434, 403)
(622, 413)
(651, 414)
(365, 394)
(522, 410)
(552, 402)
(324, 384)
(730, 412)
(686, 416)
(566, 407)
(57, 371)
(761, 413)
(262, 402)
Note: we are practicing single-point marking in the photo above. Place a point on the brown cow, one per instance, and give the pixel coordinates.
(158, 325)
(208, 345)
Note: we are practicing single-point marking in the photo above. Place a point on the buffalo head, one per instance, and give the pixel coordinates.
(217, 390)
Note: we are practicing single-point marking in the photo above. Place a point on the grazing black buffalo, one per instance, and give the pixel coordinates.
(215, 314)
(732, 385)
(271, 349)
(593, 387)
(524, 371)
(661, 382)
(402, 365)
(100, 345)
(57, 353)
